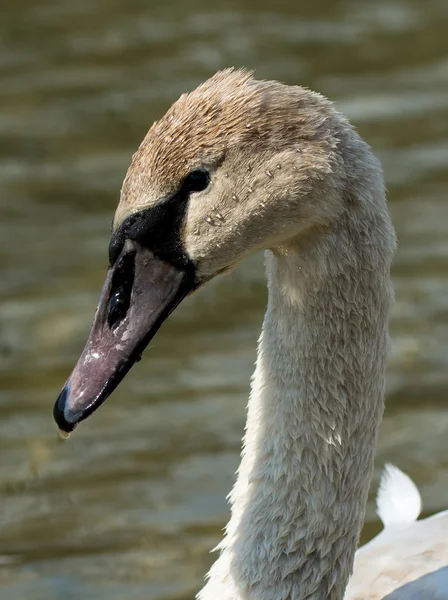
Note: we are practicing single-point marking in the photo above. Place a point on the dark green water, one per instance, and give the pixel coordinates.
(129, 508)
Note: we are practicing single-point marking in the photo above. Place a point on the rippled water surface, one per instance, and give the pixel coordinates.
(131, 505)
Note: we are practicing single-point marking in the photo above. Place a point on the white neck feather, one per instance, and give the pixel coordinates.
(313, 415)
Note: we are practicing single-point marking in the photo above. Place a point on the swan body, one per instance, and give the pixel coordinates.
(236, 166)
(408, 560)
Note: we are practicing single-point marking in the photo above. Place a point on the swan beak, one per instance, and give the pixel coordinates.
(139, 293)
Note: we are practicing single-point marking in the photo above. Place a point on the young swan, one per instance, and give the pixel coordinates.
(233, 167)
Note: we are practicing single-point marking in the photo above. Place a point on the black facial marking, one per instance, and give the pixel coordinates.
(159, 228)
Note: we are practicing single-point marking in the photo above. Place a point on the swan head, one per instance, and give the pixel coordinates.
(244, 164)
(234, 166)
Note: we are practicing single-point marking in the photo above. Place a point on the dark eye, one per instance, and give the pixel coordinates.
(196, 181)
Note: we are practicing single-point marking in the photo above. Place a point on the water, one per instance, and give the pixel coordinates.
(130, 506)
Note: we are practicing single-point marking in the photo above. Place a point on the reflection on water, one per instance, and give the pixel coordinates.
(131, 505)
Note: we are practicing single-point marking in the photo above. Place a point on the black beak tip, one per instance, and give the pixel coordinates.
(59, 412)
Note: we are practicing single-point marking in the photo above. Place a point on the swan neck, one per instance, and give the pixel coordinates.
(313, 416)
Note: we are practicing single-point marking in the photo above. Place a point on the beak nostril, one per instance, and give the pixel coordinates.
(121, 290)
(117, 306)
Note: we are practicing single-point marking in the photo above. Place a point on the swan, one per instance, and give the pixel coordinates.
(236, 166)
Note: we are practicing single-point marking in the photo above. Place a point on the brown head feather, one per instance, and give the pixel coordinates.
(230, 109)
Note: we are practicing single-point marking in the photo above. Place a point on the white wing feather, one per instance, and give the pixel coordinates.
(398, 501)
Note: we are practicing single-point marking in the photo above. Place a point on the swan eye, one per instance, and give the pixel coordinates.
(196, 181)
